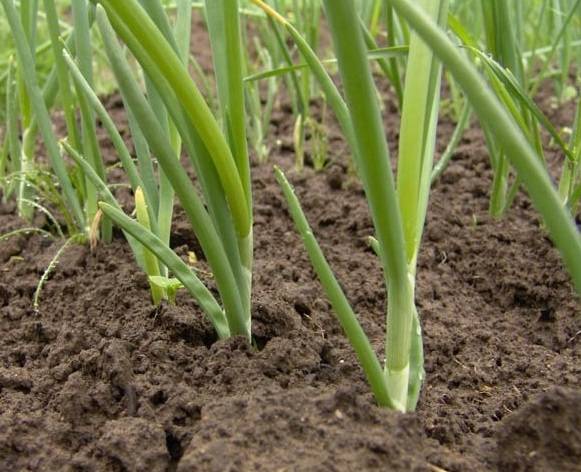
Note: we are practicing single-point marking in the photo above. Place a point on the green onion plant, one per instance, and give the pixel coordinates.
(220, 210)
(397, 236)
(399, 213)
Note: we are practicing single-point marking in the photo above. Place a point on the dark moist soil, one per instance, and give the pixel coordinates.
(100, 380)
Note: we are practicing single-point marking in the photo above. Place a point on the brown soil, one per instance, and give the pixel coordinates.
(100, 380)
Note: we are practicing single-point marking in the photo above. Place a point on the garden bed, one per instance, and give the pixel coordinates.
(99, 379)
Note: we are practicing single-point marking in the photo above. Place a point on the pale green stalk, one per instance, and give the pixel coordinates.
(144, 159)
(374, 167)
(417, 133)
(150, 260)
(415, 163)
(375, 15)
(308, 16)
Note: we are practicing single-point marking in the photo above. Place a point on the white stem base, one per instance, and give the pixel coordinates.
(397, 386)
